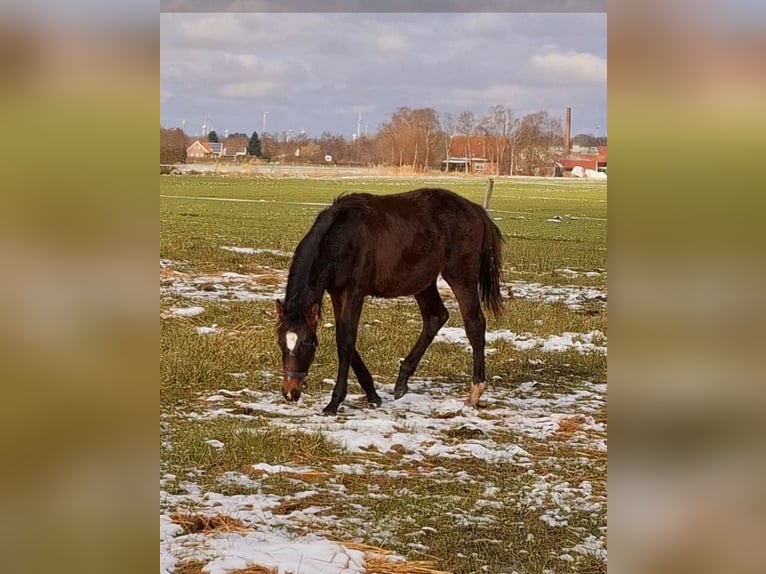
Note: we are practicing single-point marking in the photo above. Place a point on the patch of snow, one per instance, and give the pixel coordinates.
(252, 251)
(280, 469)
(186, 311)
(228, 286)
(207, 330)
(593, 174)
(591, 546)
(581, 342)
(571, 296)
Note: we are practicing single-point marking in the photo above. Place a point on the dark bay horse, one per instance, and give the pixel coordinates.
(389, 246)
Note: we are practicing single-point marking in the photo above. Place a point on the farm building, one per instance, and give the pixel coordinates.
(474, 154)
(595, 159)
(202, 149)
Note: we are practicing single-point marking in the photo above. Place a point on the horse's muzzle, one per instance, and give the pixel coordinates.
(291, 388)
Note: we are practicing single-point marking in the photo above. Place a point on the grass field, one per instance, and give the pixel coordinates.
(518, 484)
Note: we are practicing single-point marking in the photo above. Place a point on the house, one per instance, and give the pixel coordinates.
(203, 149)
(235, 152)
(475, 154)
(595, 159)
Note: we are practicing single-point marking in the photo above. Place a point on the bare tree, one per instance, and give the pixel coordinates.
(409, 137)
(465, 124)
(448, 125)
(173, 144)
(537, 136)
(498, 124)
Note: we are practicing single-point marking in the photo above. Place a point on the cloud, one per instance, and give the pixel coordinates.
(301, 69)
(571, 67)
(389, 40)
(254, 89)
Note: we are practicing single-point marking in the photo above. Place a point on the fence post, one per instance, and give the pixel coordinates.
(488, 191)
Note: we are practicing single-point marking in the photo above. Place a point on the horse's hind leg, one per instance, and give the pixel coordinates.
(434, 316)
(365, 380)
(475, 329)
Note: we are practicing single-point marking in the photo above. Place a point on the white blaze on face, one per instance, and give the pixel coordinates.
(290, 339)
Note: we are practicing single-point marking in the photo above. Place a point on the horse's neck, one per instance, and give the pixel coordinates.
(312, 291)
(319, 280)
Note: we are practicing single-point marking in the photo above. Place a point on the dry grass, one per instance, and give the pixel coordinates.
(569, 426)
(376, 561)
(255, 569)
(190, 567)
(380, 565)
(289, 506)
(193, 523)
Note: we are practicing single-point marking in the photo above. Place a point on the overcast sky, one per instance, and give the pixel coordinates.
(315, 72)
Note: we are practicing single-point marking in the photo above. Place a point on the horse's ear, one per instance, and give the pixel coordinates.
(279, 307)
(312, 315)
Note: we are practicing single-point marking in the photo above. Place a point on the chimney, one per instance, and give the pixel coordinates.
(568, 131)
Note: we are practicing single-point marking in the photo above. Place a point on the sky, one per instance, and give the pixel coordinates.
(316, 72)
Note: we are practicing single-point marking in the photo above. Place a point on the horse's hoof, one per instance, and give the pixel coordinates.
(473, 395)
(374, 402)
(399, 392)
(330, 411)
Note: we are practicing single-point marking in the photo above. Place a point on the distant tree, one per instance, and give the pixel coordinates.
(588, 140)
(254, 145)
(311, 152)
(235, 143)
(212, 136)
(498, 126)
(409, 137)
(173, 144)
(537, 136)
(447, 124)
(334, 146)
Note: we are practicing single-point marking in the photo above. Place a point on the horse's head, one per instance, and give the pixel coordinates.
(297, 338)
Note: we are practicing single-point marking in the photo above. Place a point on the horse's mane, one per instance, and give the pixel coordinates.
(303, 283)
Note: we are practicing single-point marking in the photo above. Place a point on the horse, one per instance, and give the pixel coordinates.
(388, 246)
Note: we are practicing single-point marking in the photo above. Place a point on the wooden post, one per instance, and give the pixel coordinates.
(488, 191)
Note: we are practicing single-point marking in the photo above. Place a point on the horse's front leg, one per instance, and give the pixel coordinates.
(357, 364)
(348, 309)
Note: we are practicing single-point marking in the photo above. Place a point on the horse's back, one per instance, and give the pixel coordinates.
(397, 244)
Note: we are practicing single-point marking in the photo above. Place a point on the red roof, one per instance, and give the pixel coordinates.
(204, 143)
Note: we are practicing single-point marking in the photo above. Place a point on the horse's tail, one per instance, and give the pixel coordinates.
(491, 264)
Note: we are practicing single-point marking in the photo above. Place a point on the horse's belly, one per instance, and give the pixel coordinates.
(403, 281)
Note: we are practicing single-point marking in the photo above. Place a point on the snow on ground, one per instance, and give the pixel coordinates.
(186, 311)
(253, 251)
(572, 296)
(269, 284)
(229, 286)
(260, 544)
(419, 424)
(425, 432)
(419, 430)
(580, 342)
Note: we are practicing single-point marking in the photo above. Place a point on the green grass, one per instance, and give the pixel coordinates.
(193, 367)
(193, 230)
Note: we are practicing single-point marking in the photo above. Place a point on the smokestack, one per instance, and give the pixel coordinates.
(568, 131)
